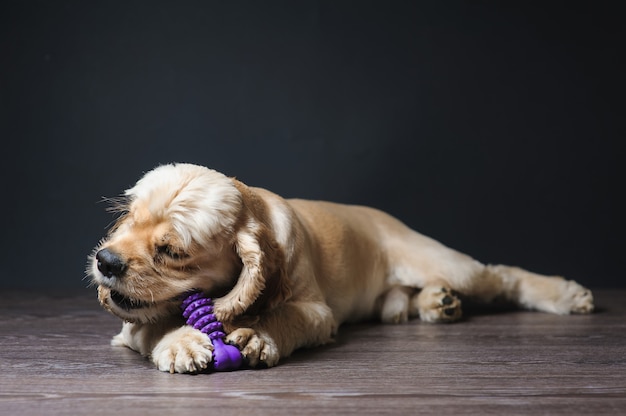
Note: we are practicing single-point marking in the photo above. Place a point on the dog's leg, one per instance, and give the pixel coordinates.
(532, 291)
(279, 332)
(527, 290)
(171, 347)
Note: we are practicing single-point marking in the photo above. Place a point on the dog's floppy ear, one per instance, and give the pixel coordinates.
(263, 282)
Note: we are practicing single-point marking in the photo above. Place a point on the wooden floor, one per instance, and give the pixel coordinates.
(55, 359)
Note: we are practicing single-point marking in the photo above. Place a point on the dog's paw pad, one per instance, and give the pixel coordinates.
(447, 300)
(439, 304)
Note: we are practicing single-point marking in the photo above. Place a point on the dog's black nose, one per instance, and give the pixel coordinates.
(110, 264)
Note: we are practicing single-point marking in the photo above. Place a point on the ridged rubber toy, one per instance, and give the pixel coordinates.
(198, 310)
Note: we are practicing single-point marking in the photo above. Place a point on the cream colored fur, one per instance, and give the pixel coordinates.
(286, 273)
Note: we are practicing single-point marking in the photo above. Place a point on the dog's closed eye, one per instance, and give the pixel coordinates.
(171, 252)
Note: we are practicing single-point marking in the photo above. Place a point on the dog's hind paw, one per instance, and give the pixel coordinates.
(583, 302)
(437, 304)
(575, 299)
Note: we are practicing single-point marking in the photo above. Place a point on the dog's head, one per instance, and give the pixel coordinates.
(185, 227)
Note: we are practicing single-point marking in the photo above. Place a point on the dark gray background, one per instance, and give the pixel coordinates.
(491, 126)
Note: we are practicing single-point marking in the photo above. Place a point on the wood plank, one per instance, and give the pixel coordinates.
(55, 359)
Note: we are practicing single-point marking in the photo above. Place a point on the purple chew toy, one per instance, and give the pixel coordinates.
(198, 310)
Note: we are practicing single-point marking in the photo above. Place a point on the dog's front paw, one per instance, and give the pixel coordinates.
(184, 350)
(257, 350)
(438, 304)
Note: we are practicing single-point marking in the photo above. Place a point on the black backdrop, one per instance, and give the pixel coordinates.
(491, 126)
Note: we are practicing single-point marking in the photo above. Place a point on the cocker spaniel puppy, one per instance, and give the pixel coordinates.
(285, 273)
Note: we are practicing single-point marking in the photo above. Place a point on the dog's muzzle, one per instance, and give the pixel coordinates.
(127, 303)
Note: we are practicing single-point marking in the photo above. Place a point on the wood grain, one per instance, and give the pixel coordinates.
(55, 359)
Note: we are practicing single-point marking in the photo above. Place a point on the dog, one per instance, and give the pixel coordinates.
(284, 273)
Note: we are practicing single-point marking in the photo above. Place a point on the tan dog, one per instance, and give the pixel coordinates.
(286, 273)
